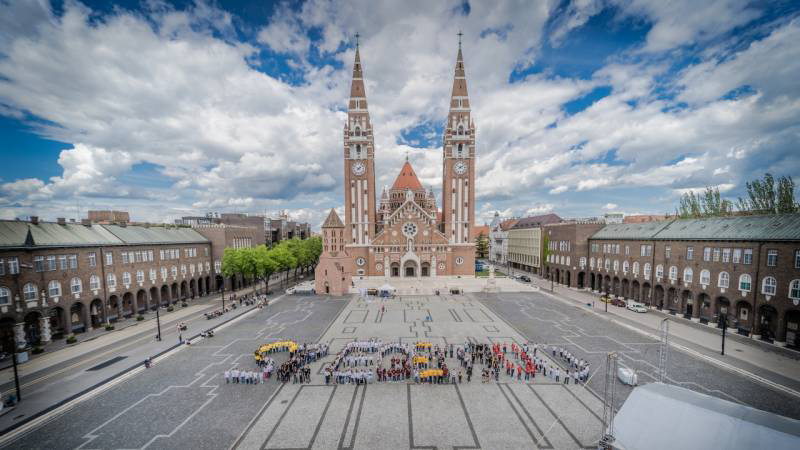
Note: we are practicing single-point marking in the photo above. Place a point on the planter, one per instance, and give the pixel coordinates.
(170, 309)
(109, 327)
(37, 350)
(72, 340)
(139, 318)
(184, 304)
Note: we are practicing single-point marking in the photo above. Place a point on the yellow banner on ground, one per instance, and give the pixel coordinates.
(431, 373)
(290, 346)
(424, 345)
(420, 360)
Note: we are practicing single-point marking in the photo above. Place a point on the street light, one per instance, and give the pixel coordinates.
(158, 318)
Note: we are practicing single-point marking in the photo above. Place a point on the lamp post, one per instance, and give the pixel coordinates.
(723, 321)
(158, 321)
(223, 295)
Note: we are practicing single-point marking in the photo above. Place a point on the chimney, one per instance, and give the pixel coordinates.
(86, 222)
(35, 220)
(61, 221)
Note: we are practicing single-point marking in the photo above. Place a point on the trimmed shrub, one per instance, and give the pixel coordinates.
(72, 340)
(184, 304)
(109, 327)
(170, 309)
(37, 350)
(139, 318)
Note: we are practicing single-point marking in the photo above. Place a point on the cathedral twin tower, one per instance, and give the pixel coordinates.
(404, 236)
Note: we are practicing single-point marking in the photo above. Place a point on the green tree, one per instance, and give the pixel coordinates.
(314, 245)
(300, 253)
(481, 245)
(231, 262)
(283, 257)
(765, 197)
(266, 266)
(708, 204)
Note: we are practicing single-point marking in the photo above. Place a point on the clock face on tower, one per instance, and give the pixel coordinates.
(358, 168)
(460, 167)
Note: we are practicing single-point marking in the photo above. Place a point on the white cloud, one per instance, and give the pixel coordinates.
(610, 206)
(179, 91)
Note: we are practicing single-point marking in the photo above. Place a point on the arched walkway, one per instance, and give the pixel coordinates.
(704, 305)
(77, 317)
(658, 297)
(647, 293)
(154, 298)
(57, 322)
(184, 290)
(581, 280)
(723, 307)
(127, 304)
(192, 288)
(96, 313)
(220, 282)
(7, 334)
(174, 294)
(626, 288)
(165, 297)
(672, 300)
(687, 303)
(113, 308)
(743, 312)
(32, 328)
(635, 291)
(569, 278)
(141, 301)
(410, 269)
(767, 322)
(792, 329)
(606, 285)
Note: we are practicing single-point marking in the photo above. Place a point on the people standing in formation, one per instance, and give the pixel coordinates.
(362, 362)
(294, 369)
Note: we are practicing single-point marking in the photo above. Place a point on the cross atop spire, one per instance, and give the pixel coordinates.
(459, 39)
(357, 36)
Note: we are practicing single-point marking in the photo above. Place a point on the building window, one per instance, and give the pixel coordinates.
(51, 263)
(737, 255)
(769, 285)
(208, 266)
(174, 271)
(707, 254)
(163, 273)
(62, 262)
(92, 257)
(772, 258)
(625, 267)
(124, 257)
(126, 278)
(30, 292)
(705, 277)
(38, 263)
(94, 282)
(716, 254)
(642, 251)
(161, 255)
(627, 250)
(5, 296)
(76, 286)
(183, 269)
(217, 266)
(111, 281)
(140, 276)
(794, 290)
(688, 274)
(797, 259)
(659, 271)
(689, 253)
(109, 259)
(582, 262)
(724, 280)
(2, 267)
(591, 262)
(153, 275)
(667, 251)
(726, 255)
(73, 261)
(647, 270)
(54, 289)
(608, 263)
(745, 282)
(748, 256)
(616, 265)
(673, 273)
(636, 268)
(13, 265)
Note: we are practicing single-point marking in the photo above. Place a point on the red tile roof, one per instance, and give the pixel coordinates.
(407, 179)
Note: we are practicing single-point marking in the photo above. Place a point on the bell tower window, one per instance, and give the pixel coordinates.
(358, 150)
(461, 129)
(460, 151)
(358, 131)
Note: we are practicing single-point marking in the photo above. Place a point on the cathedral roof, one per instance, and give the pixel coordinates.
(407, 179)
(333, 220)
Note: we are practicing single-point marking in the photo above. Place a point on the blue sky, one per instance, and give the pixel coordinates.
(582, 107)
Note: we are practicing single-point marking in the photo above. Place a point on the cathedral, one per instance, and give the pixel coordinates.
(404, 235)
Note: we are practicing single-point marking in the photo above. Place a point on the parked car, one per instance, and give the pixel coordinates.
(525, 278)
(605, 299)
(618, 302)
(637, 307)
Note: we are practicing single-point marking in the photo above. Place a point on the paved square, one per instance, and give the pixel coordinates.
(510, 414)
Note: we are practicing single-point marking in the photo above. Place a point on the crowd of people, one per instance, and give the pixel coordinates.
(362, 362)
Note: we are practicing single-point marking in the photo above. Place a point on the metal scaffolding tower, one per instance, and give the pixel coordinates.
(663, 351)
(607, 439)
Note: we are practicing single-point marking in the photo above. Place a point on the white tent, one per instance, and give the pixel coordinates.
(661, 416)
(388, 288)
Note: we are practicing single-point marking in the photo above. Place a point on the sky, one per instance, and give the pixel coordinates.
(582, 108)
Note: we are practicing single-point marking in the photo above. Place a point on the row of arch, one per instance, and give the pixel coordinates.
(767, 322)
